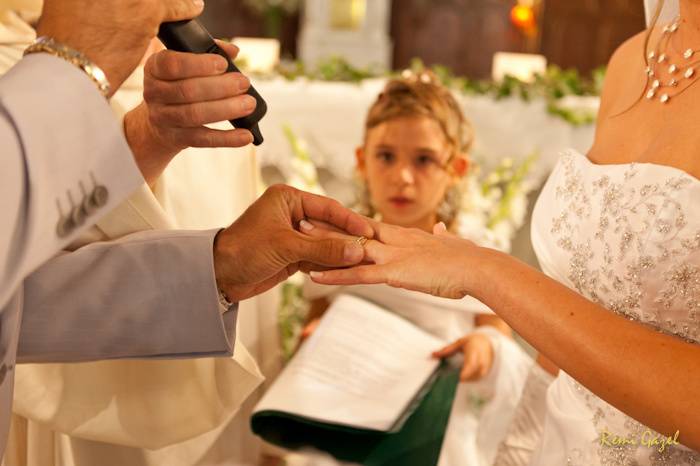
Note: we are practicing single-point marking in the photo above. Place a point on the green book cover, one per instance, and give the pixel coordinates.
(415, 440)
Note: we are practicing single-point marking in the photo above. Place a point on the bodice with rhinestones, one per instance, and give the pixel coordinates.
(627, 237)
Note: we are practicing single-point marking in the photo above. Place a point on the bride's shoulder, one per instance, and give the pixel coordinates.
(632, 48)
(626, 72)
(630, 56)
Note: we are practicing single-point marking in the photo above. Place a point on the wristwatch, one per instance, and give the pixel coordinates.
(48, 45)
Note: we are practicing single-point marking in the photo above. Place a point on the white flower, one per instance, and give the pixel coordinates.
(297, 280)
(298, 182)
(503, 233)
(495, 205)
(304, 169)
(518, 210)
(580, 104)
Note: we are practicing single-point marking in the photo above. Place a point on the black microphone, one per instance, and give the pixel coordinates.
(191, 36)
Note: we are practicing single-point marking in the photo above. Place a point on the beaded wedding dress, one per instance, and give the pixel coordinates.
(627, 237)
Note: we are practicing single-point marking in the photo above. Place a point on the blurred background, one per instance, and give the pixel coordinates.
(460, 34)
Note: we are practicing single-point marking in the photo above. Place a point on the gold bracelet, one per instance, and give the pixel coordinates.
(48, 45)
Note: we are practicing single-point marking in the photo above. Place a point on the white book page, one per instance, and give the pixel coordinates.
(361, 368)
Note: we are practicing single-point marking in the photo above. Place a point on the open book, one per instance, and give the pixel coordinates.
(363, 368)
(362, 388)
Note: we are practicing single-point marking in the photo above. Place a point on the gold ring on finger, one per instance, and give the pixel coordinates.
(361, 240)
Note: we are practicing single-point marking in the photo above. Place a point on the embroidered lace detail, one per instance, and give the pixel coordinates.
(629, 245)
(640, 233)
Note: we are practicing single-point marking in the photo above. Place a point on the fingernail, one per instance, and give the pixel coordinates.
(306, 225)
(249, 103)
(353, 252)
(243, 83)
(221, 64)
(198, 3)
(316, 274)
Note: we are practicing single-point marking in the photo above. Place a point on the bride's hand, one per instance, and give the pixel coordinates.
(440, 264)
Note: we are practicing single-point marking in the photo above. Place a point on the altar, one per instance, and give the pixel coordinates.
(329, 118)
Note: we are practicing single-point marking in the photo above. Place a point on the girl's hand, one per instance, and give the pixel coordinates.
(478, 356)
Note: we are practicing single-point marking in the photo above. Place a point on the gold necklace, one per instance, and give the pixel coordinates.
(663, 75)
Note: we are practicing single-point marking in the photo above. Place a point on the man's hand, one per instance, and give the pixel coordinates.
(264, 247)
(114, 34)
(182, 93)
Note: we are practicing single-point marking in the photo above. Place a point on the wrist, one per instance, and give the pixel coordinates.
(223, 255)
(109, 50)
(59, 27)
(473, 269)
(51, 46)
(152, 153)
(488, 270)
(225, 302)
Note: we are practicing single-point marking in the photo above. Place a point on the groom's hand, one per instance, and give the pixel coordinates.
(264, 247)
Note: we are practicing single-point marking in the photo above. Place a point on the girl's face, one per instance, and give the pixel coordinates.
(407, 166)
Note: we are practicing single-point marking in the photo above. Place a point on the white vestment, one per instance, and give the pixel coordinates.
(670, 11)
(178, 412)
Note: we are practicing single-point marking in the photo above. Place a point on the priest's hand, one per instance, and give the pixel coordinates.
(264, 245)
(182, 93)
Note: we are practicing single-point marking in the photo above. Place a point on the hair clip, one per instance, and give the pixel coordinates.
(423, 76)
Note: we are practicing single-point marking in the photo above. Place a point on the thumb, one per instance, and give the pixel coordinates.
(176, 10)
(331, 252)
(449, 350)
(469, 367)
